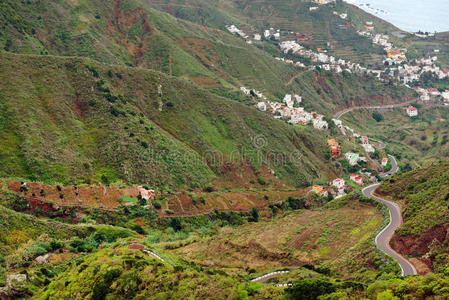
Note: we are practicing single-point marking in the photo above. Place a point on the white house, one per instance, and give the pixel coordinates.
(288, 100)
(267, 34)
(357, 179)
(384, 161)
(320, 124)
(277, 35)
(245, 90)
(341, 192)
(424, 97)
(352, 158)
(338, 123)
(338, 183)
(145, 193)
(262, 106)
(298, 98)
(257, 37)
(445, 95)
(412, 111)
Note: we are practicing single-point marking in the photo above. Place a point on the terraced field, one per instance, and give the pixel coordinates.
(297, 238)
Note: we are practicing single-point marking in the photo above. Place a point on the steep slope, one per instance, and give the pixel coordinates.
(129, 33)
(425, 195)
(70, 119)
(320, 26)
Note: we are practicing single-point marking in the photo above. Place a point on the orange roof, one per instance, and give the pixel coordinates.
(317, 189)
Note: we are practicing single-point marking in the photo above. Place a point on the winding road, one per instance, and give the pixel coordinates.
(383, 238)
(338, 114)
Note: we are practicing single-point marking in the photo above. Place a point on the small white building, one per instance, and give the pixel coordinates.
(245, 90)
(267, 34)
(352, 158)
(338, 183)
(384, 161)
(320, 124)
(357, 179)
(424, 97)
(445, 95)
(412, 111)
(288, 100)
(257, 37)
(262, 106)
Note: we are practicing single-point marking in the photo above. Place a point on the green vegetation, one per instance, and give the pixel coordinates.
(426, 195)
(104, 145)
(124, 93)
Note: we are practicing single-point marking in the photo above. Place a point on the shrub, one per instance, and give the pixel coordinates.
(209, 189)
(175, 223)
(157, 205)
(377, 116)
(261, 180)
(254, 215)
(310, 288)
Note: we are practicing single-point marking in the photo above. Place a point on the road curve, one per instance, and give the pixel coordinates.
(338, 114)
(383, 238)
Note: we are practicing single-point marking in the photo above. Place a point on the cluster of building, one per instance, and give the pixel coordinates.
(290, 111)
(267, 34)
(394, 63)
(253, 92)
(336, 186)
(334, 148)
(326, 62)
(341, 15)
(427, 94)
(407, 73)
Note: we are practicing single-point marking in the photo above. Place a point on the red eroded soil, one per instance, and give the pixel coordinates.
(182, 204)
(419, 246)
(121, 22)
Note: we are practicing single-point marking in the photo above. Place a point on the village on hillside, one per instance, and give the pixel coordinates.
(395, 64)
(289, 109)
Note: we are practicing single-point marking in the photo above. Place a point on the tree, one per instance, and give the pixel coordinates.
(105, 179)
(377, 116)
(310, 288)
(255, 215)
(386, 295)
(175, 223)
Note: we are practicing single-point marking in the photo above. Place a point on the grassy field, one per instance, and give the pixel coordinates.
(297, 238)
(106, 125)
(414, 141)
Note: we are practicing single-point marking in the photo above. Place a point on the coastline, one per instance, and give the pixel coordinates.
(430, 15)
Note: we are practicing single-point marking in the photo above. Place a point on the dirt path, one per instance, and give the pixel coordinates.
(296, 76)
(339, 114)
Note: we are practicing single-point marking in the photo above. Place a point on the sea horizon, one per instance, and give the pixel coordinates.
(409, 15)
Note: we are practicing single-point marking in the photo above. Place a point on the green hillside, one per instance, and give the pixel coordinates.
(71, 119)
(425, 195)
(132, 34)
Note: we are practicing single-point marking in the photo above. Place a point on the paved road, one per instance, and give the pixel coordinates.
(383, 238)
(338, 114)
(264, 278)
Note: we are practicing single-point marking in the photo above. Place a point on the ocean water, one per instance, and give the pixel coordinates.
(410, 15)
